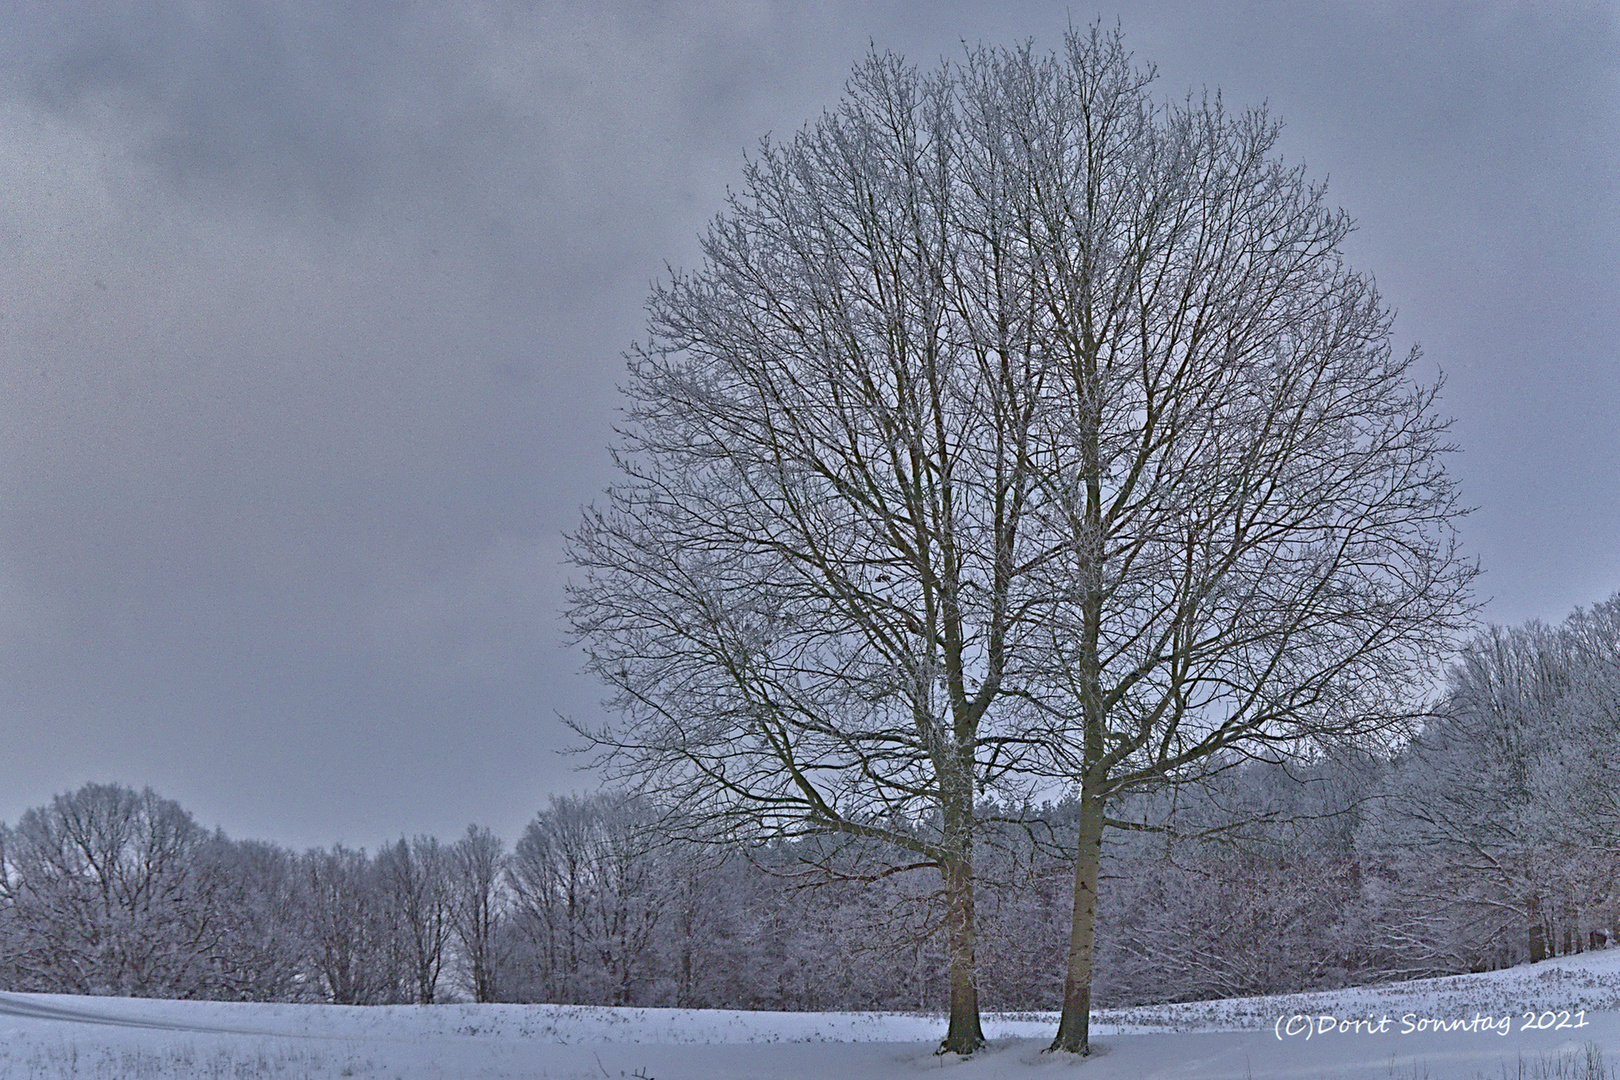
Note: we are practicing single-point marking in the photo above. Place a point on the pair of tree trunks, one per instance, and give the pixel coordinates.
(1016, 432)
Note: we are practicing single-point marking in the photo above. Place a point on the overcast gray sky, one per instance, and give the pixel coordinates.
(311, 317)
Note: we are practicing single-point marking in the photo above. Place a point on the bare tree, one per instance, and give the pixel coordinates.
(109, 893)
(477, 872)
(1251, 888)
(587, 877)
(1261, 547)
(1013, 425)
(112, 891)
(1510, 795)
(694, 889)
(258, 955)
(547, 879)
(346, 921)
(415, 877)
(808, 594)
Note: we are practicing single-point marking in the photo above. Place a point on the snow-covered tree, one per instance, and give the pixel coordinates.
(1509, 797)
(477, 884)
(109, 892)
(1013, 423)
(415, 877)
(587, 881)
(348, 929)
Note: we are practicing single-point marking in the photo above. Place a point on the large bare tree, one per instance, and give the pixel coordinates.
(1014, 426)
(811, 590)
(1262, 552)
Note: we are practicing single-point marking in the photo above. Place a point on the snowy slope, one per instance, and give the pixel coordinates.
(52, 1035)
(1589, 981)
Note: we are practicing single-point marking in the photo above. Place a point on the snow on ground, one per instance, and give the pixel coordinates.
(1589, 981)
(1371, 1033)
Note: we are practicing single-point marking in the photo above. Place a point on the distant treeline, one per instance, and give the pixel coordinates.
(1491, 839)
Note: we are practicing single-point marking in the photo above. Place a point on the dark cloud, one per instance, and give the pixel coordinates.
(292, 102)
(311, 317)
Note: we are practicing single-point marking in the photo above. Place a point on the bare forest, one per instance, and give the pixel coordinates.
(1485, 842)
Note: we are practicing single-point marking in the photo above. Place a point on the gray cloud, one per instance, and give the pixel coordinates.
(310, 321)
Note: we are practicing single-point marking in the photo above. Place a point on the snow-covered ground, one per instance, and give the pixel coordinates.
(1554, 1019)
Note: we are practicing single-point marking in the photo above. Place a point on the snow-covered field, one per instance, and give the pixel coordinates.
(1558, 1019)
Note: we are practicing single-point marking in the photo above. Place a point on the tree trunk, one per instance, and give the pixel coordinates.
(1074, 1027)
(964, 1035)
(1538, 932)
